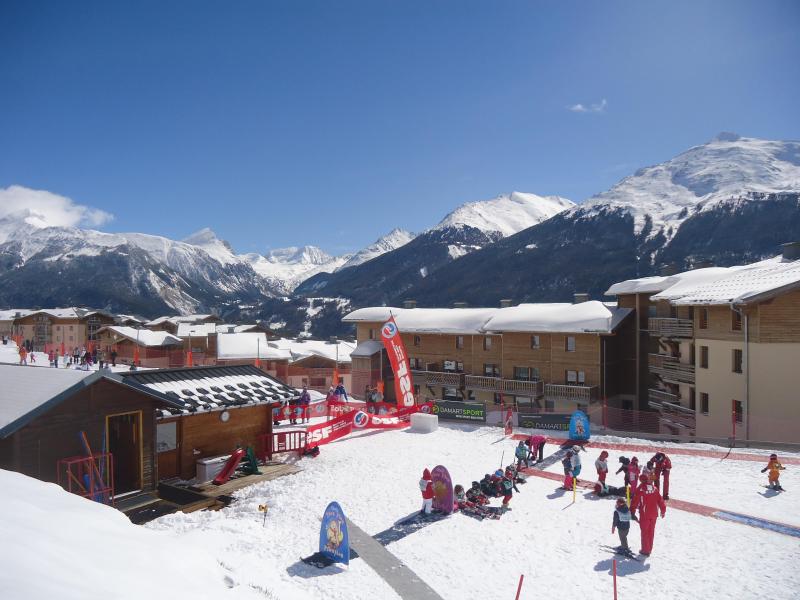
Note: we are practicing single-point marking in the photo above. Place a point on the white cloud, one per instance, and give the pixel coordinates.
(598, 107)
(41, 208)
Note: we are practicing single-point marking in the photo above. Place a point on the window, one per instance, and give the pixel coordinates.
(522, 373)
(450, 393)
(692, 399)
(581, 377)
(737, 360)
(459, 341)
(736, 321)
(415, 364)
(691, 354)
(534, 342)
(487, 343)
(372, 334)
(70, 327)
(704, 357)
(703, 318)
(166, 436)
(416, 390)
(737, 411)
(535, 374)
(498, 398)
(704, 403)
(417, 341)
(570, 345)
(58, 327)
(572, 377)
(491, 370)
(459, 367)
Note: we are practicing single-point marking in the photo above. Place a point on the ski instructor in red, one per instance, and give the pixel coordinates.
(648, 500)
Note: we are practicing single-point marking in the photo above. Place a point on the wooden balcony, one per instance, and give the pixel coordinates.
(443, 378)
(534, 389)
(674, 416)
(572, 393)
(487, 384)
(659, 396)
(671, 368)
(671, 328)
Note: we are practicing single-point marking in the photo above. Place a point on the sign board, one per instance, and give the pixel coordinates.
(460, 411)
(579, 426)
(552, 421)
(442, 490)
(333, 539)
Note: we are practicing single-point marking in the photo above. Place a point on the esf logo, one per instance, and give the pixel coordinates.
(360, 420)
(389, 330)
(426, 408)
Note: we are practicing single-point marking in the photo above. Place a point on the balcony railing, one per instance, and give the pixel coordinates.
(443, 378)
(674, 415)
(659, 396)
(575, 393)
(670, 368)
(534, 389)
(488, 384)
(674, 328)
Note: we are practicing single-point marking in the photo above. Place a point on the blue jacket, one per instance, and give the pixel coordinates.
(340, 391)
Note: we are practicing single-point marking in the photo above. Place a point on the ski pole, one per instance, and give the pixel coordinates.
(628, 495)
(501, 458)
(519, 587)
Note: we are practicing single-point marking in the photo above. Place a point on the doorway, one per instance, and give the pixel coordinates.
(124, 435)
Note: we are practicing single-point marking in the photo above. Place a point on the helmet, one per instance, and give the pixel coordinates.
(620, 501)
(773, 457)
(476, 484)
(603, 455)
(644, 478)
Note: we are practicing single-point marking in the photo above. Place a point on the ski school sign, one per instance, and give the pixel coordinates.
(403, 385)
(354, 420)
(334, 542)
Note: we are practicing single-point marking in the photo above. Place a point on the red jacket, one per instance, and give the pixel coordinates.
(648, 500)
(664, 465)
(426, 485)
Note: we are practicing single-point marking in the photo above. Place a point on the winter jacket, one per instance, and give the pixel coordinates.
(521, 452)
(506, 485)
(601, 466)
(647, 499)
(305, 398)
(340, 391)
(659, 467)
(622, 518)
(460, 497)
(774, 467)
(426, 485)
(624, 467)
(567, 464)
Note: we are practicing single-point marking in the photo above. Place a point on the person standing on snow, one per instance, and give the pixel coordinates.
(602, 468)
(774, 467)
(521, 454)
(622, 523)
(567, 464)
(426, 487)
(23, 356)
(341, 392)
(625, 462)
(633, 472)
(505, 488)
(304, 403)
(661, 465)
(536, 444)
(648, 501)
(576, 461)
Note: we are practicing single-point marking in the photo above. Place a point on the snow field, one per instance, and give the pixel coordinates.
(554, 543)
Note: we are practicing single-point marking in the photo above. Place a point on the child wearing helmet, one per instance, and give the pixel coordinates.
(774, 467)
(622, 524)
(567, 464)
(602, 467)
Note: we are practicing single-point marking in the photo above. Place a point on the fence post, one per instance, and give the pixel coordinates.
(605, 413)
(519, 587)
(615, 579)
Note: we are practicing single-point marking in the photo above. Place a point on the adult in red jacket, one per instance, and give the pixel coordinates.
(661, 464)
(426, 487)
(648, 500)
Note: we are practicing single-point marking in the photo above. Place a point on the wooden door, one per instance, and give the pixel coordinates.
(168, 449)
(124, 435)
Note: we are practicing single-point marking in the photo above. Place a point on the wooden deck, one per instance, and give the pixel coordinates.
(268, 472)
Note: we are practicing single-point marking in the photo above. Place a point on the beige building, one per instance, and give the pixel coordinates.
(719, 347)
(74, 327)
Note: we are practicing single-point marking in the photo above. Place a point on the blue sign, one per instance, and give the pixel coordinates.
(333, 539)
(579, 426)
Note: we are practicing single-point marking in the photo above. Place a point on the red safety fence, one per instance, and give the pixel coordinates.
(280, 441)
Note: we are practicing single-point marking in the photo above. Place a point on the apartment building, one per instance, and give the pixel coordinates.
(716, 348)
(74, 327)
(545, 356)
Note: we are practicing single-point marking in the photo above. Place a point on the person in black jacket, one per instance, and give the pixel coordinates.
(624, 468)
(622, 523)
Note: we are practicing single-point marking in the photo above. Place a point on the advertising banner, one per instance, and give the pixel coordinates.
(403, 385)
(579, 426)
(442, 490)
(508, 422)
(460, 411)
(552, 421)
(329, 431)
(334, 542)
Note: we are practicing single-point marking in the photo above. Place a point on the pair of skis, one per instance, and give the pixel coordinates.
(622, 552)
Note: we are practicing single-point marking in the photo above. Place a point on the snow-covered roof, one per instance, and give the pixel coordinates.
(367, 348)
(14, 313)
(29, 391)
(427, 320)
(201, 389)
(178, 319)
(301, 349)
(144, 337)
(655, 285)
(592, 316)
(195, 329)
(248, 345)
(228, 328)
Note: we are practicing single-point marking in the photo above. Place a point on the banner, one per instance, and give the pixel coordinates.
(442, 490)
(403, 385)
(553, 421)
(366, 420)
(334, 542)
(460, 411)
(330, 431)
(579, 426)
(508, 422)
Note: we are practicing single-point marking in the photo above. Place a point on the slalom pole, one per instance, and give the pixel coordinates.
(502, 456)
(615, 579)
(519, 587)
(628, 495)
(574, 488)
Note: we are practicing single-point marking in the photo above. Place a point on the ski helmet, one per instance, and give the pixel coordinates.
(773, 457)
(498, 473)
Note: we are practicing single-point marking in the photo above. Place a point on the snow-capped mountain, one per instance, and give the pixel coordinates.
(698, 179)
(285, 268)
(391, 241)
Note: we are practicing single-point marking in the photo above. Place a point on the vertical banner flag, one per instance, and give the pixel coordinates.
(403, 385)
(442, 490)
(508, 422)
(335, 377)
(579, 426)
(333, 539)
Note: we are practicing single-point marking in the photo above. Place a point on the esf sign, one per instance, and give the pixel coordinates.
(552, 421)
(460, 411)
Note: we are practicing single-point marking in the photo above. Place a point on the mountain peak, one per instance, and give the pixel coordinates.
(727, 136)
(396, 238)
(309, 255)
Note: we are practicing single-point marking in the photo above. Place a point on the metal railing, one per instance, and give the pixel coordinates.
(675, 328)
(670, 368)
(578, 393)
(659, 396)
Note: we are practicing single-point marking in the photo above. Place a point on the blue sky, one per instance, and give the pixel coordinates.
(329, 123)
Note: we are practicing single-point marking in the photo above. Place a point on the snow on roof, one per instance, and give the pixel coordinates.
(592, 316)
(304, 348)
(144, 337)
(367, 349)
(179, 319)
(14, 313)
(195, 329)
(248, 345)
(26, 389)
(650, 285)
(227, 328)
(427, 320)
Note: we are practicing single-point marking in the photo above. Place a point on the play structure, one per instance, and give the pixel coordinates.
(90, 476)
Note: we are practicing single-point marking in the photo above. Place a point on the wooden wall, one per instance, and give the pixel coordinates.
(778, 320)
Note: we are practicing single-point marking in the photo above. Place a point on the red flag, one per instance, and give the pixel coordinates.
(381, 386)
(136, 355)
(189, 360)
(62, 348)
(509, 422)
(258, 362)
(335, 377)
(403, 384)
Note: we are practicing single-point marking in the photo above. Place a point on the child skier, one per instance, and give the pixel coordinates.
(576, 461)
(774, 467)
(426, 487)
(633, 472)
(521, 454)
(506, 487)
(476, 495)
(661, 464)
(625, 462)
(602, 468)
(567, 464)
(622, 523)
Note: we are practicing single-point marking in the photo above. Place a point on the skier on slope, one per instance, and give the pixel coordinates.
(426, 487)
(648, 501)
(566, 462)
(506, 487)
(661, 465)
(633, 472)
(602, 468)
(521, 454)
(576, 461)
(622, 523)
(774, 467)
(625, 463)
(536, 445)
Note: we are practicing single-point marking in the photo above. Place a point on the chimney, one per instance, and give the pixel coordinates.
(506, 303)
(409, 304)
(459, 305)
(579, 298)
(791, 251)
